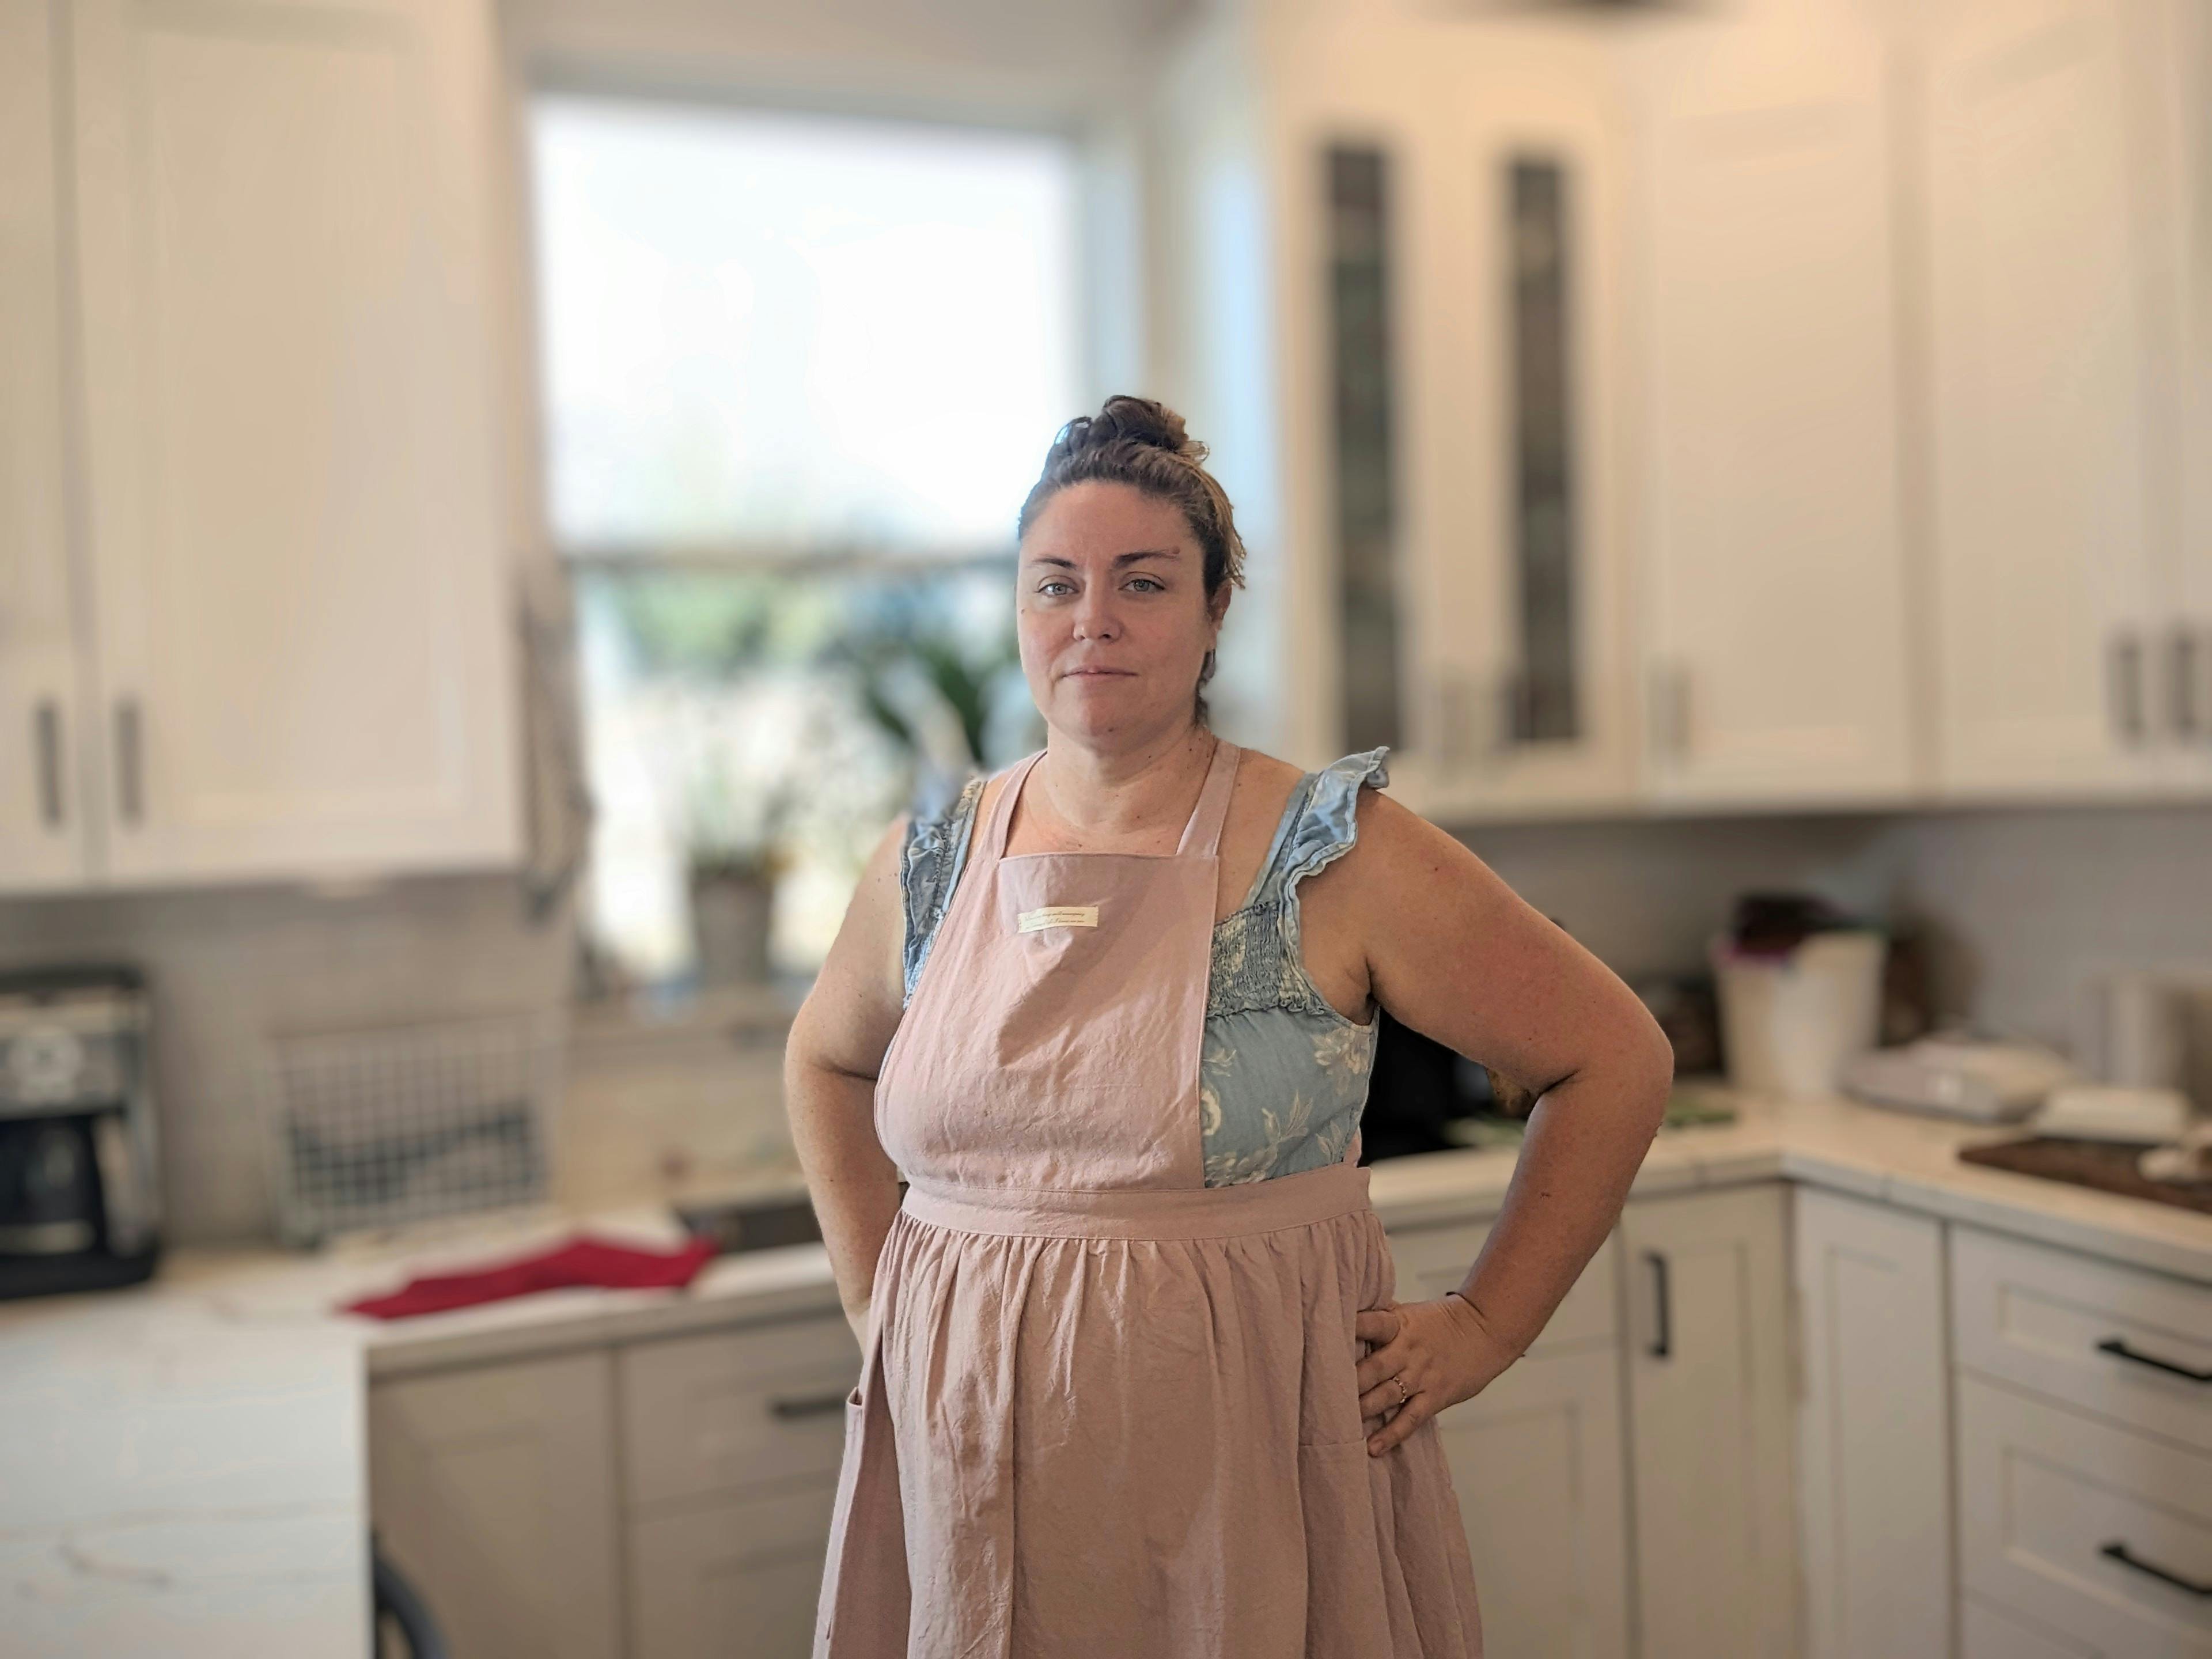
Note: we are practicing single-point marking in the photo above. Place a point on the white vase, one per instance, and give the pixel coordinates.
(1788, 1022)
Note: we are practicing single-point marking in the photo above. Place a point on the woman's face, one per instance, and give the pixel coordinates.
(1112, 614)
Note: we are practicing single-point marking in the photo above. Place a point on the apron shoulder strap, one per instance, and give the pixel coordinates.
(1201, 836)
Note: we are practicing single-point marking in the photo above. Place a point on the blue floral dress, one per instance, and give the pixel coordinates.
(1282, 1076)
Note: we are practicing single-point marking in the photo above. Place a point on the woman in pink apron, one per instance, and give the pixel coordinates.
(1134, 1380)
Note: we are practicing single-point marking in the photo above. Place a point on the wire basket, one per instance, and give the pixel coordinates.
(379, 1129)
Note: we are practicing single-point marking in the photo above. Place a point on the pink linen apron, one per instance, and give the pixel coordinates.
(1104, 1408)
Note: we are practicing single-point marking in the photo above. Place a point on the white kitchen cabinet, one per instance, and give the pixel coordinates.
(2177, 40)
(1443, 233)
(1522, 684)
(2082, 1527)
(2056, 486)
(1773, 587)
(1708, 1350)
(731, 1447)
(1874, 1439)
(42, 837)
(493, 1490)
(293, 542)
(741, 1575)
(1538, 1461)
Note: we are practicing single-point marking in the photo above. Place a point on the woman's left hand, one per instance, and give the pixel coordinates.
(1440, 1353)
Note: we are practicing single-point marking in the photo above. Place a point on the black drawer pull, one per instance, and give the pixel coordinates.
(2120, 1553)
(2119, 1349)
(1662, 1341)
(810, 1405)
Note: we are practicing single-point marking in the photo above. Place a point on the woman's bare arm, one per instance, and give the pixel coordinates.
(830, 1061)
(1454, 953)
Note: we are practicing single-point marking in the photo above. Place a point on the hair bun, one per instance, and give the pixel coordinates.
(1130, 420)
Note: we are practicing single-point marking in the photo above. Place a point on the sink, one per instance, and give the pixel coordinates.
(752, 1223)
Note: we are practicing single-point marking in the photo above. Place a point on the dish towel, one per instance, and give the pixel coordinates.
(583, 1260)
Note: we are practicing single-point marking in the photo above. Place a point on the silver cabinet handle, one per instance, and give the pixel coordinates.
(1516, 710)
(2126, 667)
(46, 739)
(1663, 1334)
(2186, 682)
(1669, 713)
(1455, 740)
(130, 791)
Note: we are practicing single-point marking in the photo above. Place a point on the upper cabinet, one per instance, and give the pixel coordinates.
(2050, 193)
(1773, 602)
(1448, 206)
(303, 658)
(1768, 404)
(42, 840)
(277, 645)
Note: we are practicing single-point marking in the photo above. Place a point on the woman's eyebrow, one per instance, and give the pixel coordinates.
(1120, 559)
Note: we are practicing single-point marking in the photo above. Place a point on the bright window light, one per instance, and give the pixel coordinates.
(793, 333)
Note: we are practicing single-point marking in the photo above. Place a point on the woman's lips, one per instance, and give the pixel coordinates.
(1098, 674)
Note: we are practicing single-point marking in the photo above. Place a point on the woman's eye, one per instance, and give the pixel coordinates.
(1152, 584)
(1056, 587)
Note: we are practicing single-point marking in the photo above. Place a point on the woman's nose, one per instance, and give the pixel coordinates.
(1095, 619)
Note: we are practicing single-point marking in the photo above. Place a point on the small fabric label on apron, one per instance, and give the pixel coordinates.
(1059, 915)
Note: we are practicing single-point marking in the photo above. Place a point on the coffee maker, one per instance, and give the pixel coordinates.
(79, 1202)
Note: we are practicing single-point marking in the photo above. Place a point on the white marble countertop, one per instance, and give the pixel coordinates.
(183, 1470)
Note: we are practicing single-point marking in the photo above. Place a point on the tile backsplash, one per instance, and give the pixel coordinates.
(2023, 908)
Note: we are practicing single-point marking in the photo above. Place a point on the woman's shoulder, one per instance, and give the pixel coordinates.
(1321, 817)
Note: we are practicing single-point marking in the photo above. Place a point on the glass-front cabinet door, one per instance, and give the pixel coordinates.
(1470, 414)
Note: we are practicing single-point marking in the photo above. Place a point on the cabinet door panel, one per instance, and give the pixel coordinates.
(2083, 1526)
(1432, 1260)
(1710, 1423)
(303, 649)
(2044, 451)
(1536, 1460)
(1521, 431)
(493, 1489)
(1777, 667)
(42, 829)
(1873, 1442)
(742, 1577)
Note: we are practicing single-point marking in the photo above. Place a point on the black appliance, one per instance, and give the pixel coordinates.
(79, 1206)
(1417, 1087)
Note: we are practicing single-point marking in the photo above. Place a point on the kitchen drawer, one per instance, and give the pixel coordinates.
(714, 1414)
(2091, 1333)
(2048, 1498)
(739, 1577)
(1434, 1260)
(1986, 1631)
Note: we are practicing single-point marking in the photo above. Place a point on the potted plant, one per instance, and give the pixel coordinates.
(735, 854)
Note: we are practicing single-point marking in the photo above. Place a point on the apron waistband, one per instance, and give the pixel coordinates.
(1144, 1212)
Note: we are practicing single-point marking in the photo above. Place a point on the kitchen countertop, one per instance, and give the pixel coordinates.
(184, 1466)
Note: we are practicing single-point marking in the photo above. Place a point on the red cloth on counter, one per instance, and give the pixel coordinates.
(583, 1261)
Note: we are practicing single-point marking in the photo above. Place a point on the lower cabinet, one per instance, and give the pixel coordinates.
(1709, 1422)
(738, 1577)
(730, 1443)
(1873, 1463)
(658, 1499)
(1538, 1465)
(493, 1490)
(1627, 1487)
(2083, 1410)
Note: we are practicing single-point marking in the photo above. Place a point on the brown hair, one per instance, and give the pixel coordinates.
(1141, 443)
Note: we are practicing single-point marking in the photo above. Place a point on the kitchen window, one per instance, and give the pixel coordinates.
(798, 372)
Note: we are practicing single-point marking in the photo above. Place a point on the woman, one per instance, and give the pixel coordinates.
(1134, 1380)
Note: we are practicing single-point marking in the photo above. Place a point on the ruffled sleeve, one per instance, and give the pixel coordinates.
(930, 861)
(1329, 825)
